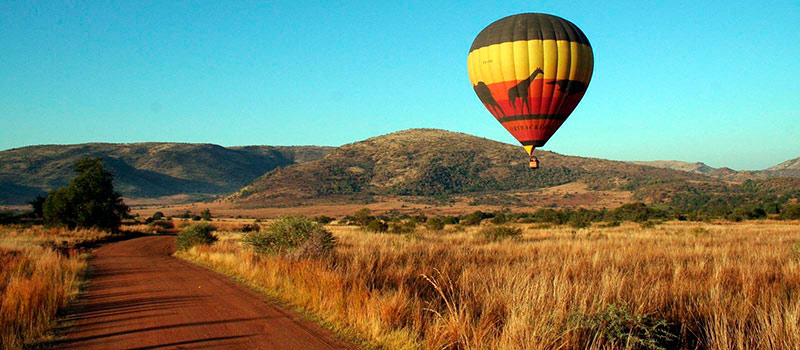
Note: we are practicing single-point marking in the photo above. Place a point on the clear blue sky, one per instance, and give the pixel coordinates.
(711, 81)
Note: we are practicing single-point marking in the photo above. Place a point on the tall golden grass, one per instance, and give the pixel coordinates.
(39, 275)
(676, 285)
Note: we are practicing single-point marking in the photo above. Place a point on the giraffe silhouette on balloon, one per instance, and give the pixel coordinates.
(569, 87)
(521, 90)
(485, 95)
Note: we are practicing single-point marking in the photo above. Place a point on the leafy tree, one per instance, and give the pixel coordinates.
(158, 215)
(206, 215)
(38, 206)
(88, 201)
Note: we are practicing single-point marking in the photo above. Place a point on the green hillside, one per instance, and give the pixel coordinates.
(438, 163)
(146, 170)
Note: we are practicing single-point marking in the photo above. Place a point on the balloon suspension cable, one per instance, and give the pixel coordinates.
(533, 162)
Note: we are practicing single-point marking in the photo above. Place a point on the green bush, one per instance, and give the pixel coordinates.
(161, 225)
(577, 221)
(158, 215)
(322, 219)
(499, 219)
(376, 225)
(362, 217)
(292, 235)
(791, 212)
(499, 232)
(206, 215)
(449, 220)
(617, 325)
(471, 220)
(196, 234)
(435, 223)
(251, 228)
(416, 219)
(402, 227)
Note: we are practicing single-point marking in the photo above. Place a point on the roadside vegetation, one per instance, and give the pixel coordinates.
(636, 281)
(40, 273)
(42, 263)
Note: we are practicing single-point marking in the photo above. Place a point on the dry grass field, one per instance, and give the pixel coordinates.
(573, 194)
(674, 285)
(39, 275)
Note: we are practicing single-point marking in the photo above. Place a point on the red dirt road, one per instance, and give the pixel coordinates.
(140, 297)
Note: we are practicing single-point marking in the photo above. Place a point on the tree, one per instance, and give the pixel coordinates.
(206, 215)
(88, 201)
(362, 217)
(38, 205)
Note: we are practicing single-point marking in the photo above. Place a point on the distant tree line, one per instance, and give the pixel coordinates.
(631, 212)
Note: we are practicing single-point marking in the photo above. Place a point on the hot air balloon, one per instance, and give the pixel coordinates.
(530, 71)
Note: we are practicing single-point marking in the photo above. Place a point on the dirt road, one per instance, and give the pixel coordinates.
(140, 297)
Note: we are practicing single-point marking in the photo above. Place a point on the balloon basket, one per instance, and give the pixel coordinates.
(534, 162)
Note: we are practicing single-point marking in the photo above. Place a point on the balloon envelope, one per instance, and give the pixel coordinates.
(530, 71)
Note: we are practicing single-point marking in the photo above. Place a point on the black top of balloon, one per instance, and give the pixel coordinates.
(528, 26)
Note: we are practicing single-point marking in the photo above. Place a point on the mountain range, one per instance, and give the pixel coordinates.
(147, 170)
(425, 163)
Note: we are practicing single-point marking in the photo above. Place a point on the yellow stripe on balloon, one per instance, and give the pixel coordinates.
(508, 61)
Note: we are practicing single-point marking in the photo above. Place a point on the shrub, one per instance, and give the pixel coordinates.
(791, 212)
(196, 234)
(449, 220)
(376, 225)
(206, 215)
(251, 228)
(293, 235)
(402, 227)
(416, 219)
(157, 215)
(499, 219)
(578, 221)
(322, 219)
(617, 325)
(161, 225)
(499, 232)
(435, 223)
(471, 220)
(362, 217)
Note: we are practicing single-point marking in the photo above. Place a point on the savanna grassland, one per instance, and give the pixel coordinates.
(665, 285)
(40, 273)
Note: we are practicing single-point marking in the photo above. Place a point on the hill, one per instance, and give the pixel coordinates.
(147, 170)
(789, 168)
(791, 164)
(696, 167)
(442, 164)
